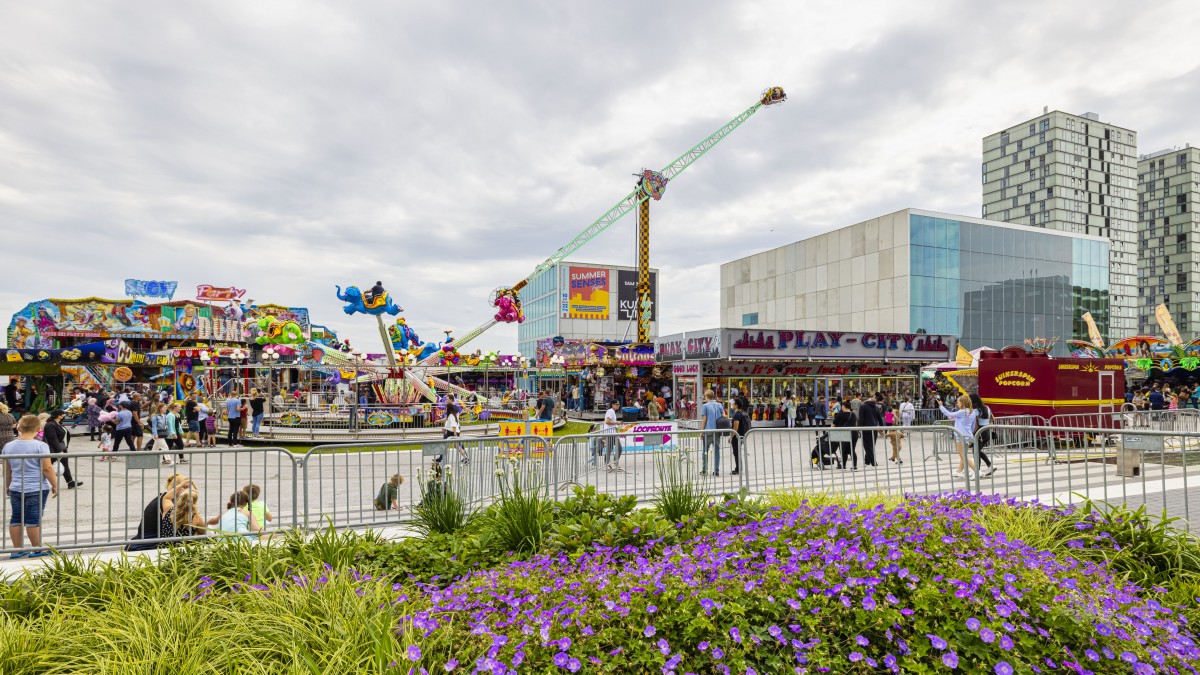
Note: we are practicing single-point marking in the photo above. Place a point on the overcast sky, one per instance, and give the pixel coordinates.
(446, 148)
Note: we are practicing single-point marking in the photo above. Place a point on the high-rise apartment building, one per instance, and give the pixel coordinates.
(1072, 173)
(1169, 272)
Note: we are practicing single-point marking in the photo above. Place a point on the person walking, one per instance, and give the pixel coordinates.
(93, 413)
(175, 431)
(907, 412)
(985, 434)
(191, 415)
(712, 413)
(8, 426)
(58, 438)
(258, 404)
(741, 425)
(29, 481)
(452, 429)
(844, 419)
(892, 420)
(233, 411)
(612, 444)
(789, 409)
(124, 428)
(964, 428)
(870, 414)
(818, 412)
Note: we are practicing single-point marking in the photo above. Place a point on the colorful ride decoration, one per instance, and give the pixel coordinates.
(772, 95)
(378, 304)
(403, 336)
(652, 183)
(1040, 345)
(508, 306)
(272, 331)
(290, 418)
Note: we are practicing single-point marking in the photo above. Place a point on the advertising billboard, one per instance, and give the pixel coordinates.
(587, 293)
(627, 295)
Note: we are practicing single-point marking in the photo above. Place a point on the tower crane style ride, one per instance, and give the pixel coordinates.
(650, 185)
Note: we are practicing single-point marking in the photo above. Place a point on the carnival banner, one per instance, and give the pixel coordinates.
(218, 293)
(150, 289)
(1163, 316)
(588, 296)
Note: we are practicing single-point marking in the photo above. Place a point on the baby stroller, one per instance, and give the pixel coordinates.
(823, 454)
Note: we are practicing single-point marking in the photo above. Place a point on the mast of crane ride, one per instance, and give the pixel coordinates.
(651, 185)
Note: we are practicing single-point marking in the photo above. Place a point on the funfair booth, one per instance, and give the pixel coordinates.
(1015, 381)
(810, 365)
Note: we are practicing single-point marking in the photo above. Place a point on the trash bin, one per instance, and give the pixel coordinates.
(629, 414)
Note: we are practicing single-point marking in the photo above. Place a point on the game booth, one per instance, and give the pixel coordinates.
(817, 366)
(606, 370)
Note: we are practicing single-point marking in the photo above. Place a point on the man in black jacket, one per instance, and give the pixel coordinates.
(55, 435)
(870, 415)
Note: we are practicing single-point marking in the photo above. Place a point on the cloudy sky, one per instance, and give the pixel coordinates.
(447, 148)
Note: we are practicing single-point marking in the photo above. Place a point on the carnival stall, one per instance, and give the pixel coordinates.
(813, 367)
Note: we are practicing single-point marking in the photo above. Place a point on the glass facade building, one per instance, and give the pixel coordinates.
(995, 286)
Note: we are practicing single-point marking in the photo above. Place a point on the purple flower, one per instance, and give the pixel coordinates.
(561, 658)
(937, 642)
(1006, 643)
(450, 665)
(861, 641)
(703, 646)
(414, 653)
(573, 665)
(649, 631)
(973, 623)
(987, 635)
(718, 653)
(1002, 668)
(950, 659)
(855, 657)
(650, 609)
(735, 634)
(664, 647)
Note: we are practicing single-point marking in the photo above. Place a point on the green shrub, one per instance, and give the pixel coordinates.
(521, 517)
(442, 508)
(678, 495)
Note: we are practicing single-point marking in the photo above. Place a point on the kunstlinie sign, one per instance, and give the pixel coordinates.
(838, 345)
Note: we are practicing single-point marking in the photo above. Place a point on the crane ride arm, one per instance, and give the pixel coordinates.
(639, 194)
(651, 184)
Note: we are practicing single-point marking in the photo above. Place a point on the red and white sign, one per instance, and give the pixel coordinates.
(218, 293)
(685, 368)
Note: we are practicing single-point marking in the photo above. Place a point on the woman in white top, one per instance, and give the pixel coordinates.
(452, 429)
(964, 427)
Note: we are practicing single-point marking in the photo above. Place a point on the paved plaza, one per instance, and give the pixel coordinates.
(338, 487)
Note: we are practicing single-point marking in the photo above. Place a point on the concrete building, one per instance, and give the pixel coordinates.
(913, 271)
(1169, 272)
(577, 301)
(1074, 174)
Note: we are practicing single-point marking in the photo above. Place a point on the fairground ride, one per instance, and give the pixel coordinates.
(650, 185)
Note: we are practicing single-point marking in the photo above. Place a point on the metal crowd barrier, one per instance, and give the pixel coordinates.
(1151, 467)
(338, 484)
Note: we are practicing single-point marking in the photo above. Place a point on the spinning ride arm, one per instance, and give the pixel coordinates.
(647, 187)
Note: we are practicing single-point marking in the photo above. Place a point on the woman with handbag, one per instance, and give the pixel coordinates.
(58, 438)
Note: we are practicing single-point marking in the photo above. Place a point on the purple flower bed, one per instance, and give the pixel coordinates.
(917, 588)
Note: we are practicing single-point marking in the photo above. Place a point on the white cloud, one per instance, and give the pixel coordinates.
(447, 148)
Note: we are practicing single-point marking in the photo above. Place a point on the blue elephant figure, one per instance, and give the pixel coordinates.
(428, 349)
(380, 304)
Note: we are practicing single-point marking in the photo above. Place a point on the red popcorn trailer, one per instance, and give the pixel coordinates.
(1070, 392)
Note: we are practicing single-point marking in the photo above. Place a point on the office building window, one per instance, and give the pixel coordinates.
(750, 319)
(1032, 130)
(1045, 125)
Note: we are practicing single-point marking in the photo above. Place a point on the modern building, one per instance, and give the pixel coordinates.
(990, 283)
(1169, 271)
(582, 301)
(1074, 174)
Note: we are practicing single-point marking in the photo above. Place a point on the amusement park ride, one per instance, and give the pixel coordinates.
(650, 185)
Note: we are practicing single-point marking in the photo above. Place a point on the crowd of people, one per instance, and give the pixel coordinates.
(175, 513)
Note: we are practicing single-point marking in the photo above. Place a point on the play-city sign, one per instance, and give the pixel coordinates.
(731, 343)
(815, 369)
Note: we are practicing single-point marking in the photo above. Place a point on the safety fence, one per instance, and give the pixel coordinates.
(349, 485)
